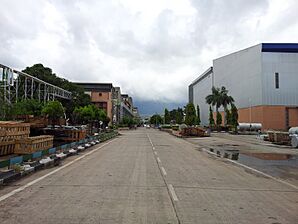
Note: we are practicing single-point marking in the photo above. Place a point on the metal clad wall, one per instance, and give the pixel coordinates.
(286, 64)
(200, 91)
(240, 73)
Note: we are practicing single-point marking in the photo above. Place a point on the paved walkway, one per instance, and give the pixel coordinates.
(148, 176)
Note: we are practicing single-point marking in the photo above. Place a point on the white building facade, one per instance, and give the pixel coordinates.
(262, 79)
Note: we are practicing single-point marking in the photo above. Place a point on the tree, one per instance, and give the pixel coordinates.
(198, 115)
(218, 119)
(179, 115)
(79, 98)
(128, 121)
(227, 116)
(211, 119)
(90, 114)
(156, 119)
(167, 117)
(225, 101)
(27, 107)
(54, 110)
(234, 116)
(214, 98)
(219, 97)
(190, 114)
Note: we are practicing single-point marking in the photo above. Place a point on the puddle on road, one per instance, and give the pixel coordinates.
(275, 164)
(280, 165)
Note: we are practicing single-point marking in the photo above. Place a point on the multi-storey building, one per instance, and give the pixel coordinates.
(263, 80)
(110, 99)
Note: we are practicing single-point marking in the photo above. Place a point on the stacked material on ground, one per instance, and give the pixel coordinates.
(279, 137)
(34, 121)
(10, 131)
(193, 131)
(66, 133)
(33, 144)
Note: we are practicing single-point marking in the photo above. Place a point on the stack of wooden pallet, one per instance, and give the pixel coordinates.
(74, 135)
(193, 131)
(10, 131)
(279, 137)
(32, 144)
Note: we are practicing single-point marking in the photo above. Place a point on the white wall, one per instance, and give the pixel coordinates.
(200, 91)
(286, 64)
(240, 73)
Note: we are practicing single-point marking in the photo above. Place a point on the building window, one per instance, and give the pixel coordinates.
(276, 80)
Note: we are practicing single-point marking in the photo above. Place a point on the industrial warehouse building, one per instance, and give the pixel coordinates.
(262, 79)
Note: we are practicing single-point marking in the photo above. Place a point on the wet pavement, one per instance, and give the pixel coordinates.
(280, 162)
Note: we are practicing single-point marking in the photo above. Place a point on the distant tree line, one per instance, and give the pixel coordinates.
(190, 115)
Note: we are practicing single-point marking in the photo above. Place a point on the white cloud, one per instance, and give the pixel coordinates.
(152, 49)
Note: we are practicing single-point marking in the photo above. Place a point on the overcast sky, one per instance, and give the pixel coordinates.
(153, 49)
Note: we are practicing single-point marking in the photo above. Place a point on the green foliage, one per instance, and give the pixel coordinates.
(219, 97)
(198, 121)
(167, 118)
(156, 119)
(128, 121)
(53, 109)
(175, 127)
(79, 98)
(177, 115)
(190, 114)
(234, 116)
(89, 114)
(27, 107)
(5, 111)
(227, 116)
(225, 98)
(214, 98)
(166, 126)
(211, 119)
(218, 119)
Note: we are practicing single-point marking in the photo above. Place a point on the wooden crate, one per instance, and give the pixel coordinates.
(32, 144)
(34, 121)
(279, 137)
(9, 132)
(74, 135)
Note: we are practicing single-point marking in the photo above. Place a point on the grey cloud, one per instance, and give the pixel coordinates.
(151, 56)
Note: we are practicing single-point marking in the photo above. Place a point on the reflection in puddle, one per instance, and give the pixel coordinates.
(270, 156)
(275, 164)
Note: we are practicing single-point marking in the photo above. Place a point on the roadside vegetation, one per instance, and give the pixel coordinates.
(190, 114)
(79, 110)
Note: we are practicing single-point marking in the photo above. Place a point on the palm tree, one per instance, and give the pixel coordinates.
(218, 98)
(214, 98)
(225, 100)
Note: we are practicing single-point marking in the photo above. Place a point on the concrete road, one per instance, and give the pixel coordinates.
(148, 176)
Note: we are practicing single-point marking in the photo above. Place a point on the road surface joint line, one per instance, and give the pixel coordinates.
(163, 171)
(3, 197)
(173, 193)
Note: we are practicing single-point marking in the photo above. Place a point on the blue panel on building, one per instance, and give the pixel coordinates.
(282, 47)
